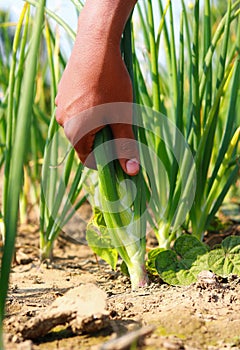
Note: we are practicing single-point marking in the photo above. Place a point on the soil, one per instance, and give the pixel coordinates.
(204, 315)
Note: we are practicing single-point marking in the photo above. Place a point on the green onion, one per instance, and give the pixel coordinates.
(126, 226)
(18, 151)
(61, 184)
(126, 229)
(197, 90)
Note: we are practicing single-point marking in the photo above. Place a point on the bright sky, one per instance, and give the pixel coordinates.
(63, 8)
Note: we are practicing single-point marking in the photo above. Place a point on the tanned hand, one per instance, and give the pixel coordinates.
(96, 75)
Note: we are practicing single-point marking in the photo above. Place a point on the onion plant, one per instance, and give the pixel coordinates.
(61, 191)
(62, 179)
(60, 183)
(24, 120)
(6, 39)
(119, 225)
(196, 86)
(123, 218)
(11, 96)
(18, 132)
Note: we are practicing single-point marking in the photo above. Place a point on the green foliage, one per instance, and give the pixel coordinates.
(150, 264)
(17, 142)
(13, 64)
(182, 265)
(124, 220)
(61, 193)
(125, 227)
(29, 57)
(189, 257)
(99, 240)
(225, 260)
(197, 88)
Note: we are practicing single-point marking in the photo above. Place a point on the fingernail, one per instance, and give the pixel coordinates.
(132, 166)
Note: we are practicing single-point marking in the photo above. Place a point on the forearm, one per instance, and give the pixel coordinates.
(105, 20)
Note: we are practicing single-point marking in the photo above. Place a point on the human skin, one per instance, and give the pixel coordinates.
(95, 75)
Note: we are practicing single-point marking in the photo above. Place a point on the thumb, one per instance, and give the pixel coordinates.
(126, 148)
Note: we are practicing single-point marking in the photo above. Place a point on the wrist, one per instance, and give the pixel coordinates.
(104, 20)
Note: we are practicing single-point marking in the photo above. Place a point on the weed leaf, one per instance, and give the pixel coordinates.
(150, 264)
(182, 265)
(99, 240)
(226, 260)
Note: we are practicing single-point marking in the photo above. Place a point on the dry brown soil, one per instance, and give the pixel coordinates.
(199, 316)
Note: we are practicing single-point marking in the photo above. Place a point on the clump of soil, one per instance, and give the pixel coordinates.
(204, 315)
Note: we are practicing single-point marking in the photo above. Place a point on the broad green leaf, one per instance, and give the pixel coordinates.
(99, 240)
(189, 247)
(226, 260)
(98, 217)
(189, 257)
(182, 265)
(150, 264)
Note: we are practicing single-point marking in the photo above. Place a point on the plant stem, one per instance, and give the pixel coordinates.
(18, 155)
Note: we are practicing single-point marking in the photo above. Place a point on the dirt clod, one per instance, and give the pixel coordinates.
(82, 307)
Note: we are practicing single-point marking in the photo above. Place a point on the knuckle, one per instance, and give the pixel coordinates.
(127, 148)
(59, 116)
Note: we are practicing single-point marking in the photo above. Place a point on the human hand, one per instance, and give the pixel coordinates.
(96, 76)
